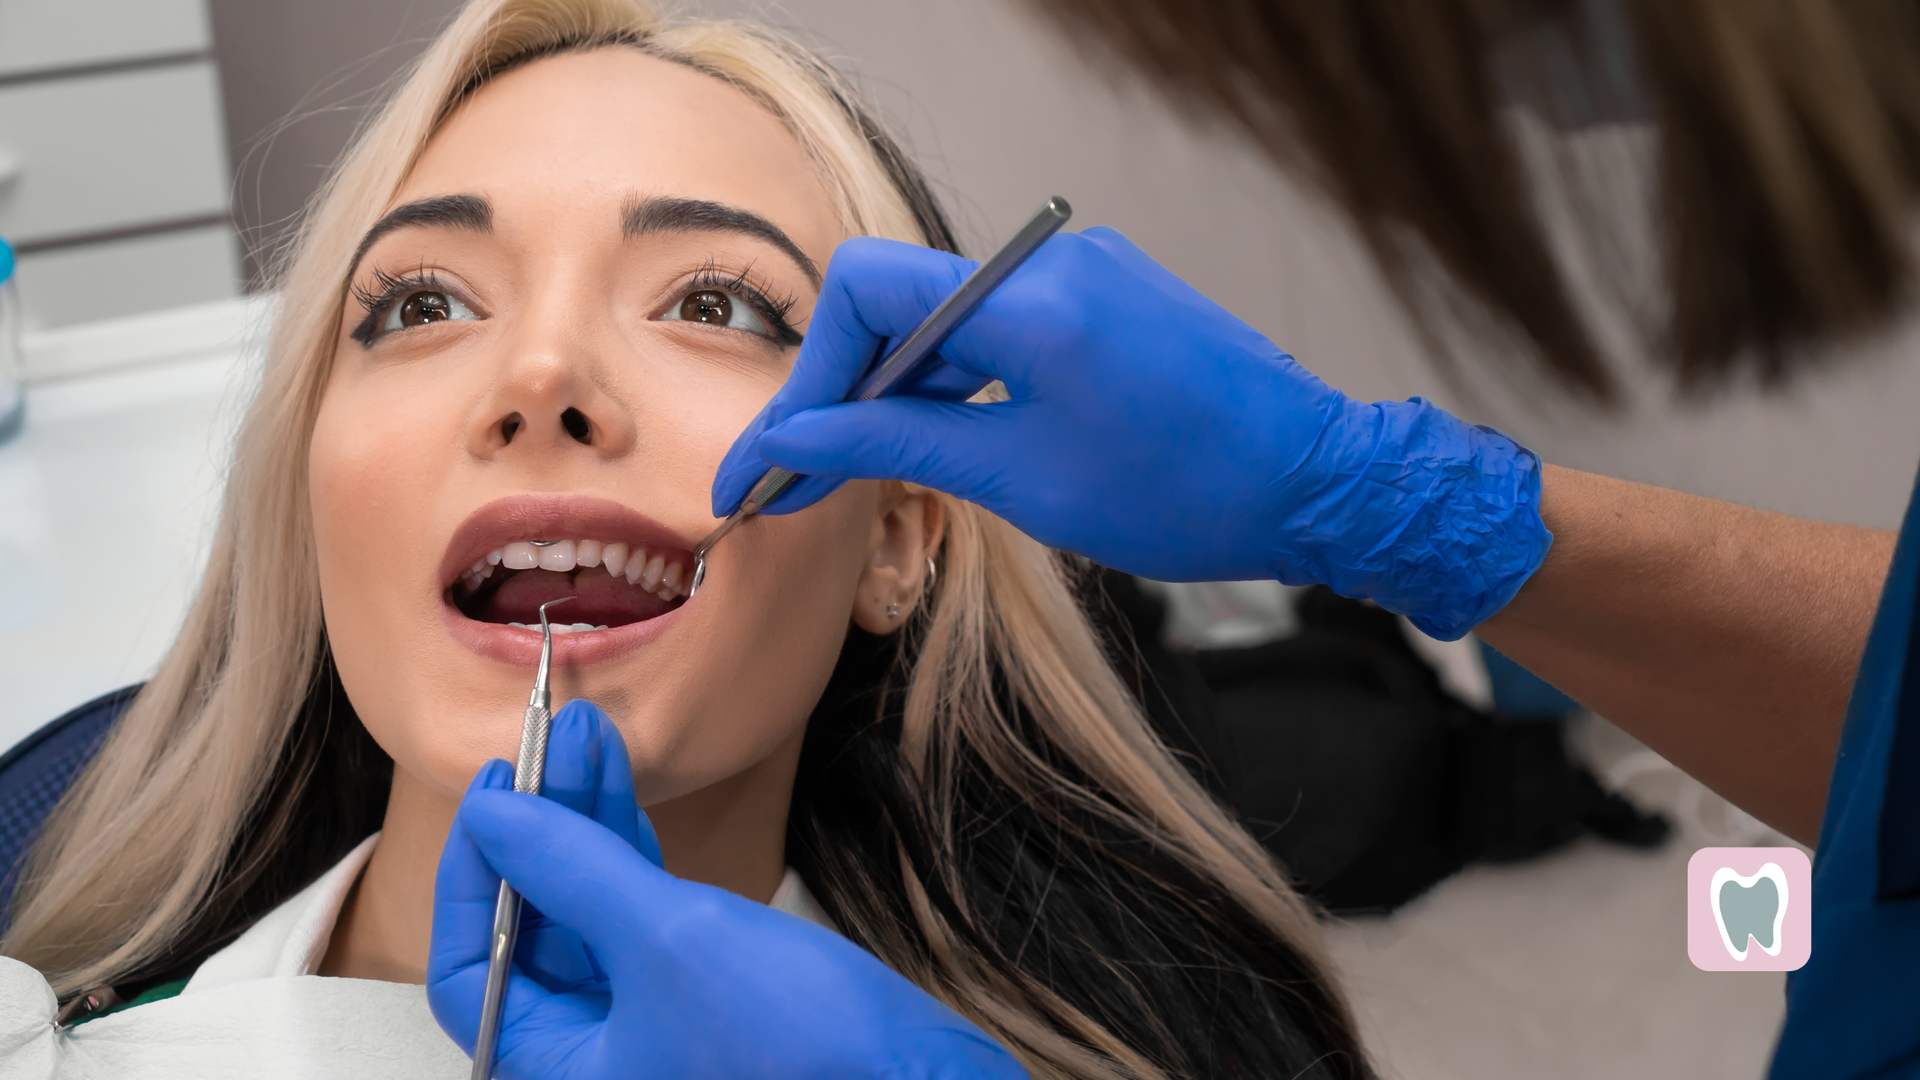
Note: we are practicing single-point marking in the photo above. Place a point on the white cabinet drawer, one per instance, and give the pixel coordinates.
(44, 35)
(110, 151)
(128, 277)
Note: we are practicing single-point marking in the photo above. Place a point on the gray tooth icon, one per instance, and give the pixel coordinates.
(1750, 907)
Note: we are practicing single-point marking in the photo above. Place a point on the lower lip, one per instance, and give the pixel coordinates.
(581, 648)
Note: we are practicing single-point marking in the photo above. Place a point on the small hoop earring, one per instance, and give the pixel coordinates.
(933, 574)
(893, 611)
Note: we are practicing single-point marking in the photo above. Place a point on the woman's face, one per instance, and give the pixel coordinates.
(594, 277)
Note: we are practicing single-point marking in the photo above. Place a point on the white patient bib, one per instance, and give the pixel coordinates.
(255, 1010)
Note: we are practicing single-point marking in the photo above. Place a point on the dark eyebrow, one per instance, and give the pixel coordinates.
(662, 214)
(470, 212)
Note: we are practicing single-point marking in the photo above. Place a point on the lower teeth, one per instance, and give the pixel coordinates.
(561, 628)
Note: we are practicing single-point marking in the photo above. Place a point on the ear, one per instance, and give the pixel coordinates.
(906, 533)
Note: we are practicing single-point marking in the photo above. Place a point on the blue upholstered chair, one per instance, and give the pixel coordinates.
(39, 769)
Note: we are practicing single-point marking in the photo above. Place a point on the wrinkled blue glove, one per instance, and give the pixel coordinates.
(1150, 430)
(623, 970)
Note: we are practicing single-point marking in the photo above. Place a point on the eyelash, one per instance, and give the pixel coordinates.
(773, 309)
(387, 288)
(390, 289)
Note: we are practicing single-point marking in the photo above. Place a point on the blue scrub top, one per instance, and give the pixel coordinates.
(1853, 1011)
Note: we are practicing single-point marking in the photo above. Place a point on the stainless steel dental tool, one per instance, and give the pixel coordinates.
(907, 360)
(527, 776)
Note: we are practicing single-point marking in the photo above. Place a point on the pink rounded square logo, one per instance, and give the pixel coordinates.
(1749, 908)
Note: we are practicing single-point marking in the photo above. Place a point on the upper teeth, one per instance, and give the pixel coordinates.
(651, 571)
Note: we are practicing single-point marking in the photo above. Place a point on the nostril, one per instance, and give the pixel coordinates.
(577, 426)
(510, 427)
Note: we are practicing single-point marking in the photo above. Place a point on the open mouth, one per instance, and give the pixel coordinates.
(614, 584)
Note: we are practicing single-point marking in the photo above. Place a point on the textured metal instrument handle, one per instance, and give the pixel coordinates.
(771, 485)
(532, 769)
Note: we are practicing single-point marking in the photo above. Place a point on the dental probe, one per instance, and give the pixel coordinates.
(907, 360)
(527, 776)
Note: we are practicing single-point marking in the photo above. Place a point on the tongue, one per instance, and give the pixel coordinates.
(603, 600)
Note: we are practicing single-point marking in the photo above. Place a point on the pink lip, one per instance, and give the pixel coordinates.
(555, 517)
(521, 648)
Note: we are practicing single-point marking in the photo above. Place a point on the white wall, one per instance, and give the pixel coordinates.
(1003, 114)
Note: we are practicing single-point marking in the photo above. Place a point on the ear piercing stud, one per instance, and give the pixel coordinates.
(893, 610)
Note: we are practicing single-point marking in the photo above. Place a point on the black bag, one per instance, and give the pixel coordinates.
(1342, 752)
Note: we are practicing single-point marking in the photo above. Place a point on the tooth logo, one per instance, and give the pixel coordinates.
(1747, 909)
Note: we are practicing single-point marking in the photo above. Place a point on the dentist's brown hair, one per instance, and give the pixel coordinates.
(1788, 151)
(240, 772)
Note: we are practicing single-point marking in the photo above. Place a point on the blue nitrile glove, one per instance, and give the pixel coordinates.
(623, 970)
(1151, 431)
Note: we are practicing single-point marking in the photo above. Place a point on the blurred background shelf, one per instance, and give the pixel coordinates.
(49, 36)
(114, 178)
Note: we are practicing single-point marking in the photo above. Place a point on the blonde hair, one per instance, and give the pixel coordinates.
(1005, 671)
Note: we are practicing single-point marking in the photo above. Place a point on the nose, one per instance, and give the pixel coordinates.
(548, 397)
(572, 421)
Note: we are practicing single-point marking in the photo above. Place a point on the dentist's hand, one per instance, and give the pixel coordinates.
(1150, 430)
(626, 971)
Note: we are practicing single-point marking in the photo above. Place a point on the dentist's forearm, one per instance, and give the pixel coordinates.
(1723, 637)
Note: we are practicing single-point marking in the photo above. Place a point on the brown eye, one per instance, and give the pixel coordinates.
(718, 307)
(425, 307)
(406, 304)
(707, 306)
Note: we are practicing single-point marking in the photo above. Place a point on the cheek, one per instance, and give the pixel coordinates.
(366, 470)
(371, 472)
